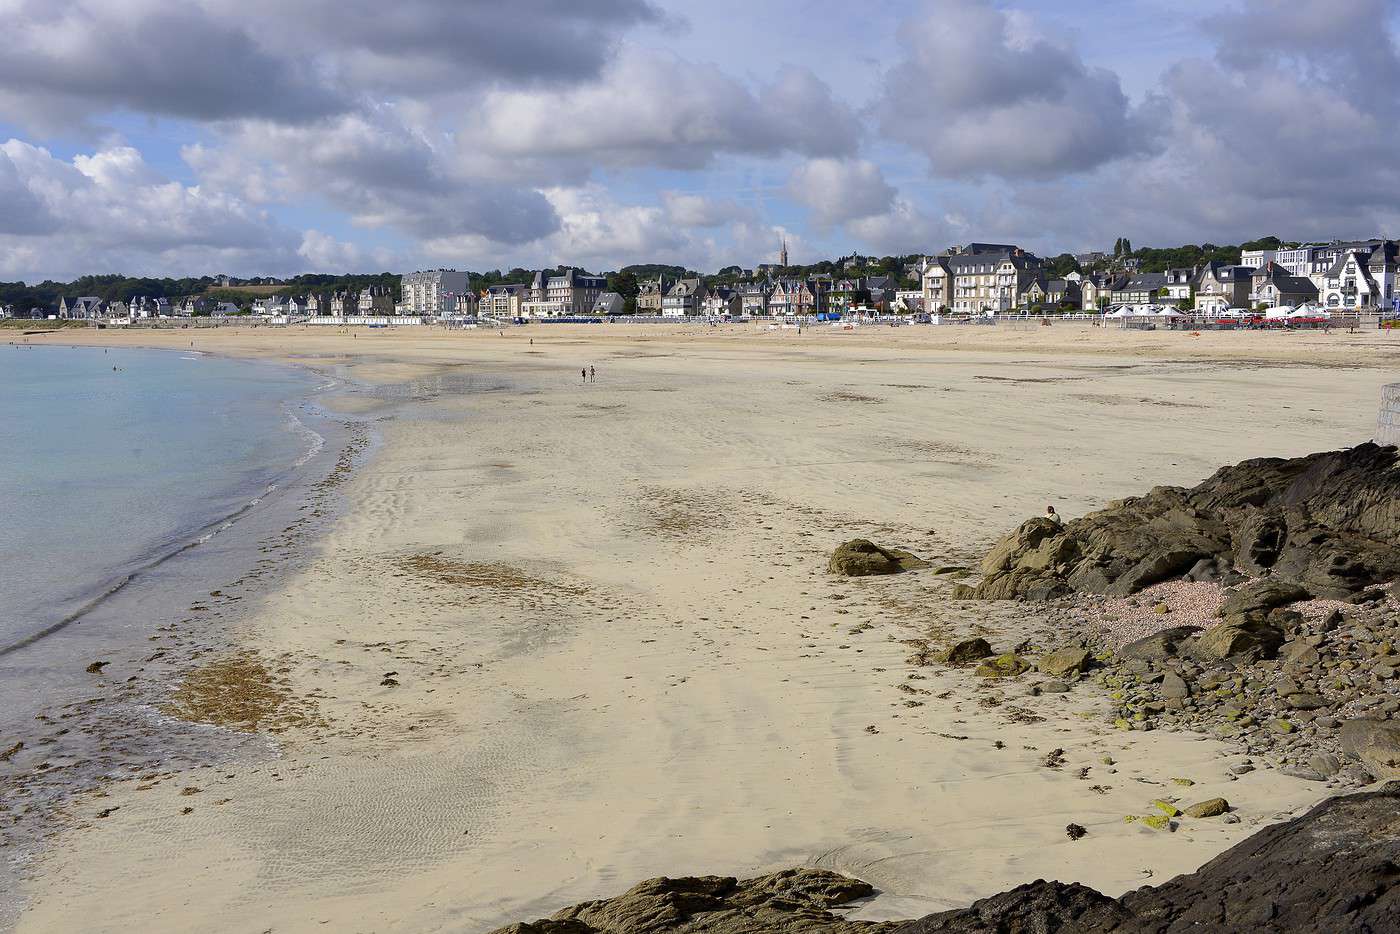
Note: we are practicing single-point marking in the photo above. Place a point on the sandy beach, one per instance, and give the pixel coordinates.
(570, 635)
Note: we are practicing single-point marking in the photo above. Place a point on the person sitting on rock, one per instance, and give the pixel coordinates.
(1053, 516)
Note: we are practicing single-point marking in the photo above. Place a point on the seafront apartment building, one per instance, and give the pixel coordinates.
(426, 292)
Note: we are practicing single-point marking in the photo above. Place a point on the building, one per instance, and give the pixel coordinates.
(908, 301)
(422, 292)
(346, 304)
(502, 301)
(848, 293)
(1142, 289)
(683, 299)
(463, 305)
(783, 256)
(1363, 277)
(609, 303)
(753, 298)
(721, 302)
(86, 307)
(882, 290)
(1180, 282)
(1257, 259)
(650, 292)
(375, 300)
(1220, 286)
(224, 309)
(797, 297)
(194, 305)
(562, 295)
(1272, 285)
(978, 279)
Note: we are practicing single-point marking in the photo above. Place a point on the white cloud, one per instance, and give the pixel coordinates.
(656, 110)
(839, 190)
(109, 211)
(379, 168)
(65, 60)
(978, 92)
(692, 210)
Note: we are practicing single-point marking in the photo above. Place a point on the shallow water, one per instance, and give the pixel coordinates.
(111, 460)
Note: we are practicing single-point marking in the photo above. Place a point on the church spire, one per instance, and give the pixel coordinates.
(782, 256)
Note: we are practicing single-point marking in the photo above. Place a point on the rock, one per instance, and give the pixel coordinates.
(966, 652)
(1376, 743)
(1334, 869)
(1166, 807)
(863, 558)
(1211, 807)
(96, 667)
(1239, 637)
(1054, 687)
(792, 900)
(1071, 660)
(1261, 597)
(1074, 831)
(1159, 645)
(1282, 726)
(1325, 523)
(1206, 569)
(1325, 764)
(1305, 701)
(1174, 687)
(1003, 666)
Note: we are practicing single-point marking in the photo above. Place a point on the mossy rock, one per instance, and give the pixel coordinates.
(1184, 782)
(1003, 666)
(1211, 807)
(1282, 726)
(1158, 821)
(1122, 724)
(1167, 808)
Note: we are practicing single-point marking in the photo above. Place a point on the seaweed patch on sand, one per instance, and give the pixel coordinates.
(492, 576)
(240, 693)
(686, 514)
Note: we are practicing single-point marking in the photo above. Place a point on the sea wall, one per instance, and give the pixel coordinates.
(1388, 424)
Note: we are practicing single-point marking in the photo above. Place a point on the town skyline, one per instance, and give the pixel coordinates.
(664, 131)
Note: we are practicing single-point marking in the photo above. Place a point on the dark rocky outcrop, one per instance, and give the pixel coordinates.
(1335, 869)
(863, 558)
(1326, 524)
(791, 900)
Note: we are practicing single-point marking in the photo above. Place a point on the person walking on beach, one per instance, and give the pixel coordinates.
(592, 375)
(1053, 516)
(585, 374)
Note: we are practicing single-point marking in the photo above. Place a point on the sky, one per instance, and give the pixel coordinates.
(275, 137)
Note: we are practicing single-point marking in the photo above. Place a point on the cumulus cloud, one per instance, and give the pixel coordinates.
(839, 190)
(324, 253)
(656, 110)
(290, 62)
(109, 211)
(979, 92)
(382, 170)
(691, 210)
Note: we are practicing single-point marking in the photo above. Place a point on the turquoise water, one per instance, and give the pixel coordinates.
(112, 461)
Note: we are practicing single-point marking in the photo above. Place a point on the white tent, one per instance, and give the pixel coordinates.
(1276, 314)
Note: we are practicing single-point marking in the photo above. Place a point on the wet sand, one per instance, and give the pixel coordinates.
(569, 636)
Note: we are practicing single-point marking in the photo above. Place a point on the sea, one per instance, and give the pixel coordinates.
(132, 484)
(112, 461)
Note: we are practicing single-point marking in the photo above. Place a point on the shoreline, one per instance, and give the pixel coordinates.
(616, 654)
(186, 570)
